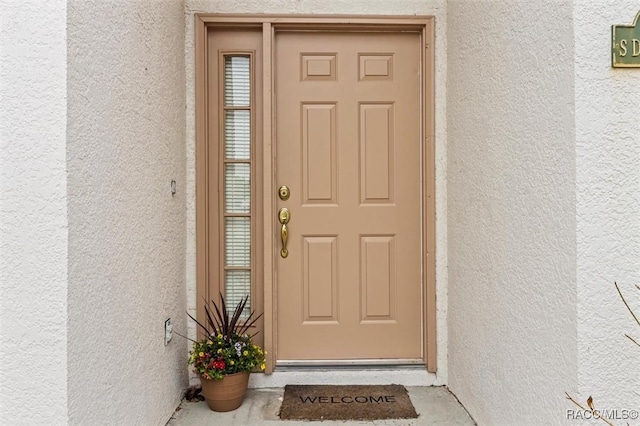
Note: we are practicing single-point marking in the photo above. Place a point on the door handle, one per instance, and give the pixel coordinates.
(284, 215)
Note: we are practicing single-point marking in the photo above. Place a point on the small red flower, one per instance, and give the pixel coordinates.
(219, 364)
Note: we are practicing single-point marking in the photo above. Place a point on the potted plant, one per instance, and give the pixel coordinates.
(226, 355)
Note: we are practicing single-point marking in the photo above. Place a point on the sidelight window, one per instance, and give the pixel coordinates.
(237, 115)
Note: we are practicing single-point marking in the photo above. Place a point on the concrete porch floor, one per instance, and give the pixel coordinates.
(434, 405)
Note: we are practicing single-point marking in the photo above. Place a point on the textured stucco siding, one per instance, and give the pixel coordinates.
(511, 205)
(537, 204)
(33, 213)
(126, 121)
(608, 208)
(436, 8)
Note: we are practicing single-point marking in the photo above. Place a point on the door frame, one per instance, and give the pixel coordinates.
(269, 25)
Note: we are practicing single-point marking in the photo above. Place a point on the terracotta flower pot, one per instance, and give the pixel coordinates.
(226, 394)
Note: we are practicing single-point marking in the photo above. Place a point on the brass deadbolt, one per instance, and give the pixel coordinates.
(283, 192)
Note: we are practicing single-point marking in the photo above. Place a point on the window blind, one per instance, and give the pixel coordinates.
(237, 81)
(237, 188)
(237, 130)
(238, 241)
(236, 284)
(237, 180)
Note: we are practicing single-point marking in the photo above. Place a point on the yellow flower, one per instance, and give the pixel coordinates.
(201, 354)
(219, 336)
(263, 366)
(219, 351)
(209, 342)
(245, 353)
(232, 362)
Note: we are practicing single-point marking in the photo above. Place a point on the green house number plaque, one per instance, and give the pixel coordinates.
(625, 45)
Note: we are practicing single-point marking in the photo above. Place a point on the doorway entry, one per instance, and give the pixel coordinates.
(315, 183)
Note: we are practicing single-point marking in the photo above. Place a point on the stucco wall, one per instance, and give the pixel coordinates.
(608, 207)
(435, 8)
(511, 205)
(126, 123)
(33, 213)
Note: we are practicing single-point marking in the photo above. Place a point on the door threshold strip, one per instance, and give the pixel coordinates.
(407, 376)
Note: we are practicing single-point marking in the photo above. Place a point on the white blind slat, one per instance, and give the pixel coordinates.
(237, 81)
(237, 241)
(237, 188)
(237, 135)
(237, 286)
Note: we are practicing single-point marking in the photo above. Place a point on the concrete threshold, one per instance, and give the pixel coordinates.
(434, 405)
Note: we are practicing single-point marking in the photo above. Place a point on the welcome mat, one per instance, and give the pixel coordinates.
(356, 402)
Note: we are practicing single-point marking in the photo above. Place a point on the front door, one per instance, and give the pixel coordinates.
(347, 141)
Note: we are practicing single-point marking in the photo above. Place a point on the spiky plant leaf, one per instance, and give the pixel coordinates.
(218, 320)
(206, 330)
(213, 330)
(233, 325)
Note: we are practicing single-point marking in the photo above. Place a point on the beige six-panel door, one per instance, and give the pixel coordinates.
(347, 141)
